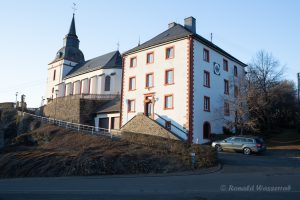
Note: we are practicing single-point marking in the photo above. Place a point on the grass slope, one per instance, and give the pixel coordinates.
(52, 151)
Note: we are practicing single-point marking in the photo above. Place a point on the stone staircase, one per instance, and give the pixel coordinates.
(145, 125)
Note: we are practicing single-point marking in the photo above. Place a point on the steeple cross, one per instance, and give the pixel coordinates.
(118, 45)
(74, 8)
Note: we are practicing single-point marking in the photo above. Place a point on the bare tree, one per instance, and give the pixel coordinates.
(236, 115)
(264, 74)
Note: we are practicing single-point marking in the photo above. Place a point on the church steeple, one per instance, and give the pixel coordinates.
(70, 50)
(72, 30)
(71, 38)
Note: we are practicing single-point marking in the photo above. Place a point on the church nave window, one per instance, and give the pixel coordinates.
(107, 83)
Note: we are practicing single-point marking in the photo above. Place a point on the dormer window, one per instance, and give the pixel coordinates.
(59, 54)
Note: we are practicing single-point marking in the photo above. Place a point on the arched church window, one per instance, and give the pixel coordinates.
(54, 74)
(107, 83)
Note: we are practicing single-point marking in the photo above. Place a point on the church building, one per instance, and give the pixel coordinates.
(96, 82)
(182, 81)
(70, 74)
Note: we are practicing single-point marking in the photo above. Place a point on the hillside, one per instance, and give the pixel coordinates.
(52, 151)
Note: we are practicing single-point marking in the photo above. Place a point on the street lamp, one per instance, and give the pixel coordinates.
(16, 99)
(56, 93)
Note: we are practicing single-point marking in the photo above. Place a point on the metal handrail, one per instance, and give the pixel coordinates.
(88, 96)
(76, 127)
(171, 124)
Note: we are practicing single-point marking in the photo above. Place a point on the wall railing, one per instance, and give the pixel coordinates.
(88, 96)
(74, 126)
(173, 127)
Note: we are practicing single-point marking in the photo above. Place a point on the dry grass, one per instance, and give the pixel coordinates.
(288, 139)
(52, 151)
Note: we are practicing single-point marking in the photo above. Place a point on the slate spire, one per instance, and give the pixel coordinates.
(72, 30)
(71, 38)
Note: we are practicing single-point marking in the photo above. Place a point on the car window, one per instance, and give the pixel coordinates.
(249, 140)
(244, 140)
(237, 140)
(230, 139)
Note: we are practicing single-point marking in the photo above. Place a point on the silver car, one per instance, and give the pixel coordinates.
(245, 144)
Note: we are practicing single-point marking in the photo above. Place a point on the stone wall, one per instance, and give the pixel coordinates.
(63, 108)
(72, 109)
(143, 124)
(7, 105)
(88, 109)
(1, 139)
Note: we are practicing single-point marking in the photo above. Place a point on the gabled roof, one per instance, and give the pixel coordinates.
(179, 32)
(111, 106)
(106, 61)
(173, 33)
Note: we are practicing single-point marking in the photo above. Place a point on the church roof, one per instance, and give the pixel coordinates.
(179, 32)
(106, 61)
(111, 106)
(69, 53)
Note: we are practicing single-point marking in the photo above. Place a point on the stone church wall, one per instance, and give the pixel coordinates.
(73, 110)
(67, 109)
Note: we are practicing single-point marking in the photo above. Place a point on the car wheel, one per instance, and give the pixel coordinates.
(247, 151)
(218, 148)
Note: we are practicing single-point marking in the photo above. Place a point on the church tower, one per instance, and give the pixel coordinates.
(65, 60)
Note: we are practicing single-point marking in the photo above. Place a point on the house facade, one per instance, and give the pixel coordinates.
(182, 81)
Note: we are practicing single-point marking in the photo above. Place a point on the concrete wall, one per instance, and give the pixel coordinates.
(73, 109)
(142, 124)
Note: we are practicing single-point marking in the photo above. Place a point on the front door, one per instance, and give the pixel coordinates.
(148, 105)
(148, 109)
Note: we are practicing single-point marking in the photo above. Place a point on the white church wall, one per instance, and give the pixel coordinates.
(60, 68)
(96, 79)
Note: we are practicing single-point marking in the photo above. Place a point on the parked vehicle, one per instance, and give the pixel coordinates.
(245, 144)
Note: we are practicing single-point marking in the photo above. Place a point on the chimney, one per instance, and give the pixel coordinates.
(172, 24)
(190, 23)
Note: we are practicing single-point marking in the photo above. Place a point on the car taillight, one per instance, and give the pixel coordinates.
(258, 145)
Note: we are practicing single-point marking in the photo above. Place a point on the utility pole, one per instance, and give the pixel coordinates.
(298, 78)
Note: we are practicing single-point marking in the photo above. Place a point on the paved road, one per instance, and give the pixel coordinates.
(248, 174)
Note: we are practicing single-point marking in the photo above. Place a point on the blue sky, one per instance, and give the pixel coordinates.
(32, 32)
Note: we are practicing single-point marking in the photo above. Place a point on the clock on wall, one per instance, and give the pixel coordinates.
(217, 68)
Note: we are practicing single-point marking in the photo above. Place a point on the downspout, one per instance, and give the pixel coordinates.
(122, 91)
(191, 89)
